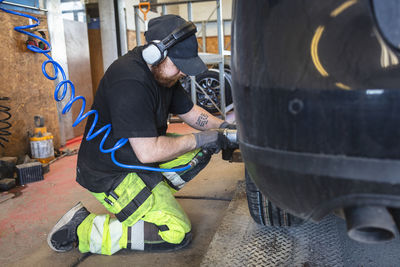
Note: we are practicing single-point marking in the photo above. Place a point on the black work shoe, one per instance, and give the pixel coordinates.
(63, 236)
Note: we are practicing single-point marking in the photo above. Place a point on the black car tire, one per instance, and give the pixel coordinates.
(209, 81)
(263, 211)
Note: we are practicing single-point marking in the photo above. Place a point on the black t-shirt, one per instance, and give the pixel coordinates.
(129, 98)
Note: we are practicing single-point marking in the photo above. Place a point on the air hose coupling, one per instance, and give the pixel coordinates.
(193, 162)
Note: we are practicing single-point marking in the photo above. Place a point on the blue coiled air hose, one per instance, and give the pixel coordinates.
(81, 116)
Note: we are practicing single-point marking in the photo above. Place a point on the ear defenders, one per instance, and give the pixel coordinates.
(40, 44)
(156, 51)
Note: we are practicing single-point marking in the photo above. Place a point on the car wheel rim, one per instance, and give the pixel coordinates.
(212, 88)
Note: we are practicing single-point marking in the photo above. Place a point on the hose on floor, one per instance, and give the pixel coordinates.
(61, 91)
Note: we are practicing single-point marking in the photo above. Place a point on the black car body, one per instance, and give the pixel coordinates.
(317, 103)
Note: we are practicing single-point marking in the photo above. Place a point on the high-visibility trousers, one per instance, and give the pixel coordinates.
(134, 203)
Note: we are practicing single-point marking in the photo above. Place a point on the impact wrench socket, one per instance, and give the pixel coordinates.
(232, 136)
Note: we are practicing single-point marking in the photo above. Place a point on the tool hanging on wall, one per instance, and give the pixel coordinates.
(39, 44)
(4, 124)
(144, 7)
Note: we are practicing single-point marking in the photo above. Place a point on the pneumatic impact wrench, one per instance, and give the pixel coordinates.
(204, 156)
(233, 144)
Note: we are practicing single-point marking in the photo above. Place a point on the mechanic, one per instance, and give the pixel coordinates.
(136, 95)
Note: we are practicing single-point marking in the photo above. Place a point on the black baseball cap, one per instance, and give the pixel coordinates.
(184, 53)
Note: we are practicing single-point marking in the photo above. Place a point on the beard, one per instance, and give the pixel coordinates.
(162, 79)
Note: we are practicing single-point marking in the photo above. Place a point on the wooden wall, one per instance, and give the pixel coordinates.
(131, 36)
(212, 44)
(96, 57)
(22, 80)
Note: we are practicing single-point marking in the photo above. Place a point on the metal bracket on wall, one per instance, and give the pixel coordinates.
(21, 7)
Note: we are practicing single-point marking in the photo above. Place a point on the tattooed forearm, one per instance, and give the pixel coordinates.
(202, 120)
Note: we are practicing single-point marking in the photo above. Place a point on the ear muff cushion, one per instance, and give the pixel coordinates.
(152, 54)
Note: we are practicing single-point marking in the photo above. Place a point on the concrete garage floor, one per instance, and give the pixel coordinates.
(26, 219)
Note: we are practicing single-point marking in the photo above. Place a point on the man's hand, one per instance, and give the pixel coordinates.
(211, 140)
(227, 125)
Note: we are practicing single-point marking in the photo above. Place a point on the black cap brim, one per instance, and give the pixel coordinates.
(190, 66)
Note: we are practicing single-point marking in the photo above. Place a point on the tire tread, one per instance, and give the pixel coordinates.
(263, 211)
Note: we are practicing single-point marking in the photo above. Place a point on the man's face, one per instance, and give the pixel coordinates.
(166, 73)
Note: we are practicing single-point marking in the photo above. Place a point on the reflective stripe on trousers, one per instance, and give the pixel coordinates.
(108, 236)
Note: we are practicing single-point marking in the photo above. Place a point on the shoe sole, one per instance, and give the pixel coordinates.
(64, 220)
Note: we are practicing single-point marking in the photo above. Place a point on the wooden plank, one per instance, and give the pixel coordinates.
(96, 57)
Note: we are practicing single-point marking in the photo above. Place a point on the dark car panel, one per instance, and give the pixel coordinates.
(317, 102)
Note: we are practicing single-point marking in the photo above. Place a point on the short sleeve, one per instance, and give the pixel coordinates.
(132, 106)
(181, 102)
